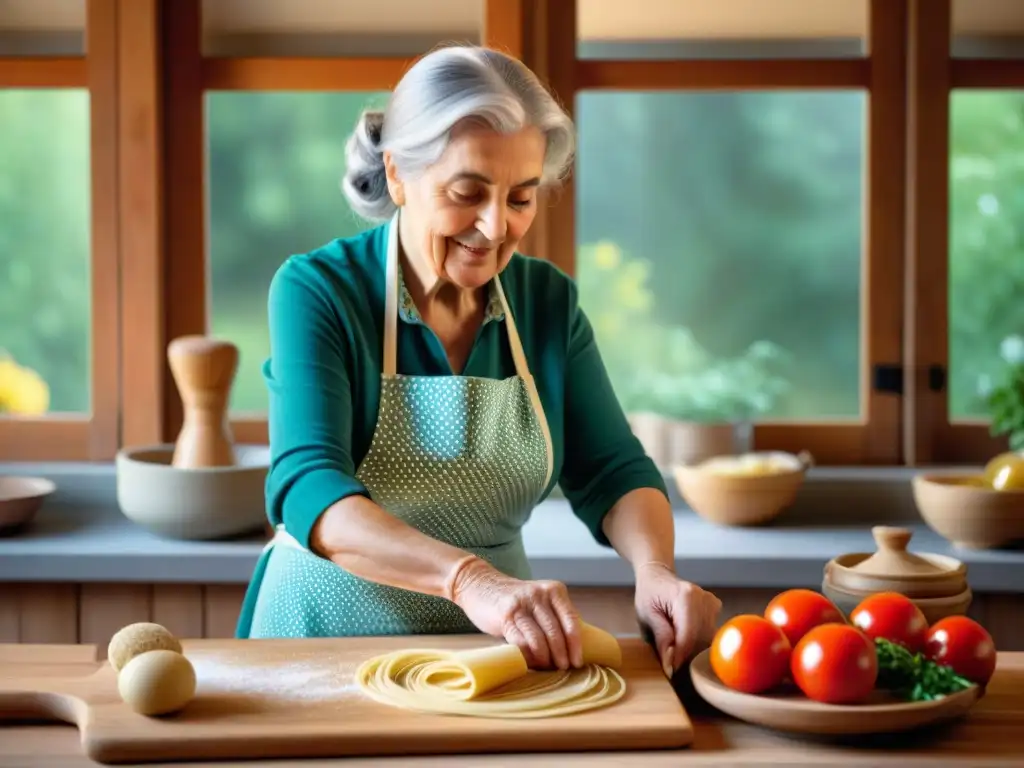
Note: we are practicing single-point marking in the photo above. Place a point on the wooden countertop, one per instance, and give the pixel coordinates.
(992, 735)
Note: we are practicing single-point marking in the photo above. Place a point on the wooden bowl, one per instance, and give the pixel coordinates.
(21, 498)
(933, 608)
(789, 710)
(743, 500)
(969, 516)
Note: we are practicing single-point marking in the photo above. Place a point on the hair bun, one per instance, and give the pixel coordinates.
(365, 182)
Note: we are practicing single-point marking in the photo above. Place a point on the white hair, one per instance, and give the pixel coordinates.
(441, 90)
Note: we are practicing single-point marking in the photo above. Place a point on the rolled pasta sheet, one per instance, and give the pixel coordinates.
(470, 674)
(495, 681)
(600, 647)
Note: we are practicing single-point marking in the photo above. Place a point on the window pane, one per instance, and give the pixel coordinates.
(719, 249)
(337, 27)
(276, 161)
(42, 27)
(44, 242)
(986, 255)
(988, 29)
(669, 29)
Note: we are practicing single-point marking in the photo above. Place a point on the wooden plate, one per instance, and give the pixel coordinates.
(20, 499)
(790, 710)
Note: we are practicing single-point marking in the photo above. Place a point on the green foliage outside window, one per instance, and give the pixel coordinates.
(737, 240)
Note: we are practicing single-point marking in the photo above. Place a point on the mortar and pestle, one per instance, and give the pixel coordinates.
(203, 486)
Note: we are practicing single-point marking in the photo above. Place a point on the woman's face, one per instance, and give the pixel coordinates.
(464, 216)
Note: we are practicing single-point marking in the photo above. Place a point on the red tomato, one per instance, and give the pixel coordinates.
(835, 664)
(964, 645)
(893, 617)
(750, 654)
(797, 611)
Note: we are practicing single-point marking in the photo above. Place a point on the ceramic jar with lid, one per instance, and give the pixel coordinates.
(936, 583)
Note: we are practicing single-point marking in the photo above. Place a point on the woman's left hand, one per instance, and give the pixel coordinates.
(681, 616)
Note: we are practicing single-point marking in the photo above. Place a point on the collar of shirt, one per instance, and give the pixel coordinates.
(409, 313)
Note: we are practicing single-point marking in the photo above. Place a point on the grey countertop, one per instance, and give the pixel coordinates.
(81, 536)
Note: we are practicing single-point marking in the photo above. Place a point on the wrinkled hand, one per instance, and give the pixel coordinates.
(681, 616)
(536, 616)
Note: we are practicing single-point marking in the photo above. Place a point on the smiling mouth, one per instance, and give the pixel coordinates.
(472, 250)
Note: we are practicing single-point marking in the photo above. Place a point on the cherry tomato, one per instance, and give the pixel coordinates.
(797, 611)
(750, 654)
(893, 617)
(835, 664)
(964, 645)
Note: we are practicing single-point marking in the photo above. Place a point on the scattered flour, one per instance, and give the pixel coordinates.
(304, 678)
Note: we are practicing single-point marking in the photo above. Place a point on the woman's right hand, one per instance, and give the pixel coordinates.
(536, 616)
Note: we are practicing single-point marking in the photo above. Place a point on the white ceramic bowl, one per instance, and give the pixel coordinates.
(193, 504)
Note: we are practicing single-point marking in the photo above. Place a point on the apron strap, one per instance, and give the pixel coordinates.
(519, 356)
(391, 301)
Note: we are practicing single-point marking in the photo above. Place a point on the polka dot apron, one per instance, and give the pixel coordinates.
(460, 458)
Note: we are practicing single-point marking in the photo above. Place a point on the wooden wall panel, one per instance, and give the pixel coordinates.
(221, 605)
(106, 608)
(179, 607)
(49, 613)
(92, 613)
(10, 615)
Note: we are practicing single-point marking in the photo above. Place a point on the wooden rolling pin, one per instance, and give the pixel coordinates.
(204, 370)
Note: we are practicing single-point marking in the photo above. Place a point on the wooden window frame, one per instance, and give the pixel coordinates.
(147, 76)
(543, 33)
(874, 438)
(931, 437)
(194, 75)
(91, 436)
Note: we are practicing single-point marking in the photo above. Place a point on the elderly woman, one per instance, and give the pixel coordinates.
(429, 385)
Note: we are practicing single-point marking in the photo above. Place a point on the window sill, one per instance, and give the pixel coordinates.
(81, 536)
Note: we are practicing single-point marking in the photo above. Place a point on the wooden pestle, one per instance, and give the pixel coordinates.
(203, 369)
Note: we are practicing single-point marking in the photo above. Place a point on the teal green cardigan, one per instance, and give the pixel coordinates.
(326, 316)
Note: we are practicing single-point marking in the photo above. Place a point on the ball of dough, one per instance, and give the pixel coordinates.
(157, 682)
(138, 638)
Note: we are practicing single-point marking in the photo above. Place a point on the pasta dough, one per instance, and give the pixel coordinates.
(495, 681)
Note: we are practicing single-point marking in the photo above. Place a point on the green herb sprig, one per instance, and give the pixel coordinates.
(914, 677)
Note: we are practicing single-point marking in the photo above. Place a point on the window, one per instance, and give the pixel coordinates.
(44, 236)
(274, 168)
(986, 247)
(755, 202)
(43, 28)
(58, 371)
(720, 240)
(336, 28)
(988, 29)
(727, 29)
(725, 249)
(964, 92)
(986, 257)
(281, 88)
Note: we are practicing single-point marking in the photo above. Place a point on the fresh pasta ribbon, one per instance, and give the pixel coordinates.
(495, 681)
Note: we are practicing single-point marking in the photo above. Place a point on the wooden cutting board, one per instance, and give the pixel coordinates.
(296, 698)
